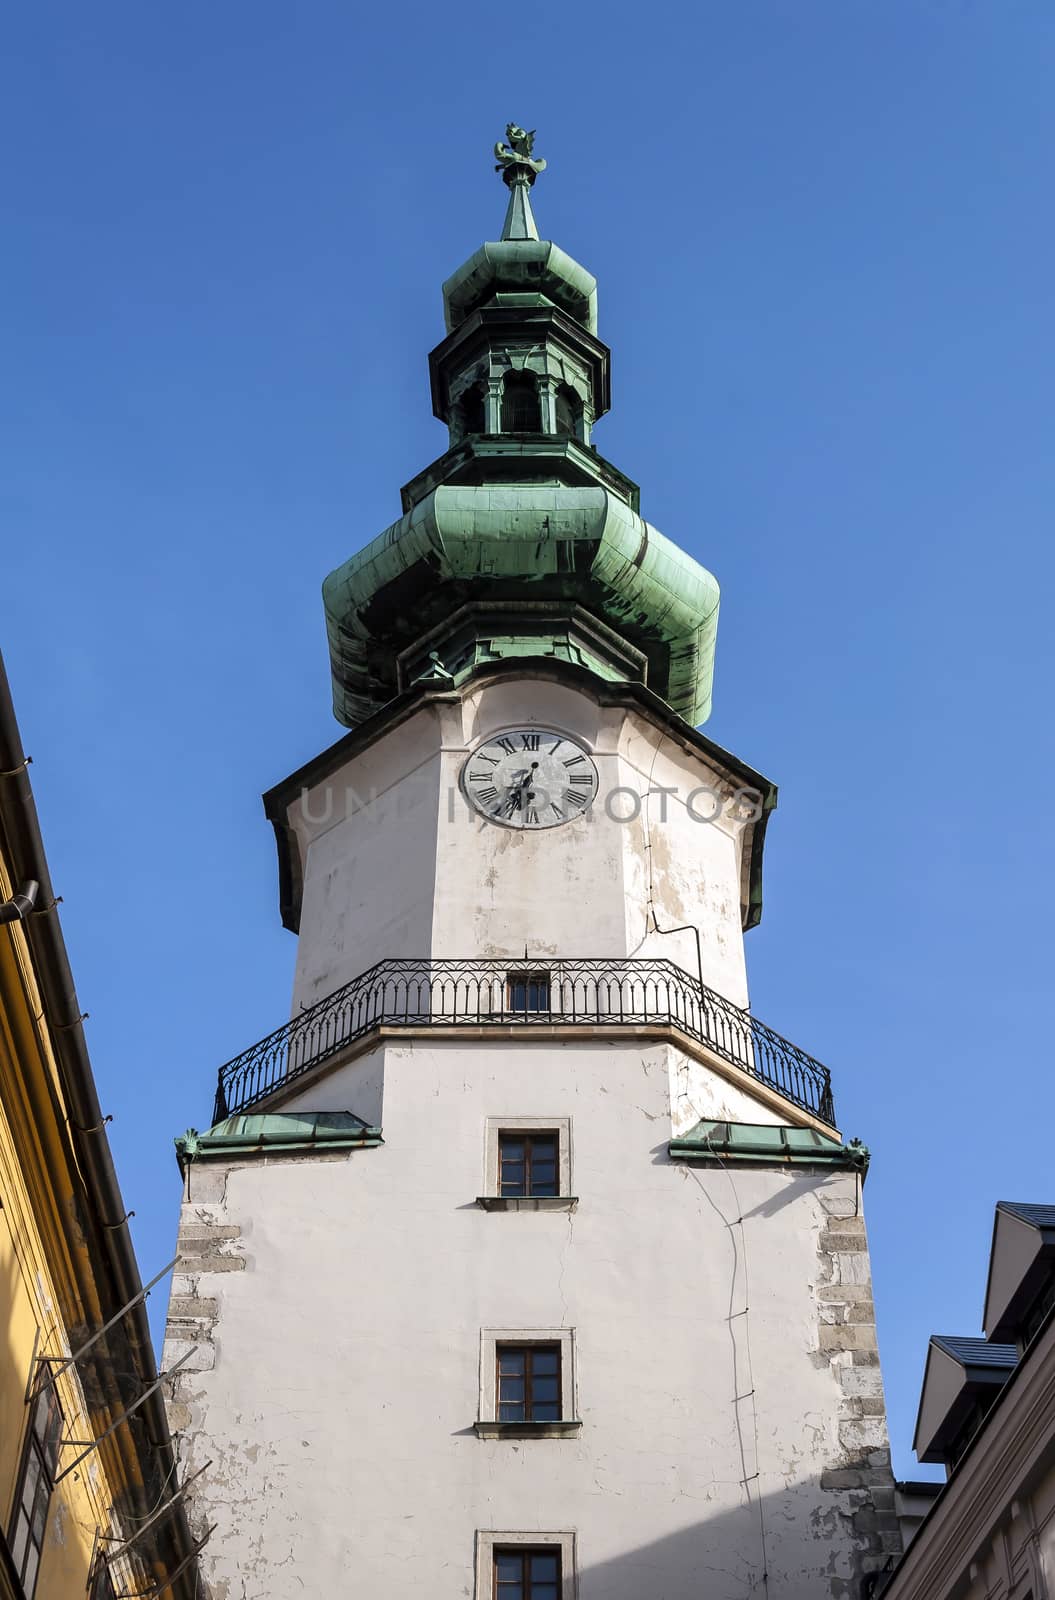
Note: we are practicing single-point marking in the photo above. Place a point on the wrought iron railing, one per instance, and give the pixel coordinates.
(487, 994)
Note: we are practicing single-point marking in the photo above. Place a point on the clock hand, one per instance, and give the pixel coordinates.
(519, 789)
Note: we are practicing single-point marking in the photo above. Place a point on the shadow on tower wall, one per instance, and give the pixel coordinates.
(806, 1542)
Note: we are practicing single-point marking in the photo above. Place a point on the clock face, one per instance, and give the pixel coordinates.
(530, 778)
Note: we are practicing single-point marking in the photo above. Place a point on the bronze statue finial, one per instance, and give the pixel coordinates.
(515, 161)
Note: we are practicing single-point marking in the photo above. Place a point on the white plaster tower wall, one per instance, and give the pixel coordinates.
(397, 863)
(342, 1308)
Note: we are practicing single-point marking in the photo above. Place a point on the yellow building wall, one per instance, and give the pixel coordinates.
(30, 1326)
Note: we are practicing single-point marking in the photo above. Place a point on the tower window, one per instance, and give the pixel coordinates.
(528, 1164)
(527, 1387)
(527, 1167)
(527, 1574)
(527, 991)
(520, 407)
(524, 1566)
(527, 1377)
(569, 412)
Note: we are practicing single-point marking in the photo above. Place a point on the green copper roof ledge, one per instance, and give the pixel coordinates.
(764, 1144)
(277, 1133)
(535, 268)
(530, 543)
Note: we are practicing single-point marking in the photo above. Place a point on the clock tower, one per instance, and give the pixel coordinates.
(524, 1262)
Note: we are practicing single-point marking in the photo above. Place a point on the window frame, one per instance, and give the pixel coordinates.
(562, 1542)
(487, 1425)
(529, 1351)
(536, 978)
(102, 1582)
(529, 1141)
(44, 1451)
(520, 389)
(523, 1554)
(492, 1198)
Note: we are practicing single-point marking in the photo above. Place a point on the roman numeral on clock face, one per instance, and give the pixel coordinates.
(488, 794)
(572, 797)
(507, 745)
(529, 741)
(581, 780)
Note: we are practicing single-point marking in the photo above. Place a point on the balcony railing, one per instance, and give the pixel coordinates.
(523, 994)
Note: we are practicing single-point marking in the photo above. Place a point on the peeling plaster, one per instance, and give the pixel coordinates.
(341, 1435)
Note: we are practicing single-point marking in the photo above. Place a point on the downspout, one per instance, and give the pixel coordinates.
(19, 906)
(63, 1015)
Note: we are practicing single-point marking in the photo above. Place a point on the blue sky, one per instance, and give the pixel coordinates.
(823, 233)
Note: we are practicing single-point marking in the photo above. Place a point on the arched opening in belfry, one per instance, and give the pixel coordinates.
(470, 412)
(569, 412)
(520, 406)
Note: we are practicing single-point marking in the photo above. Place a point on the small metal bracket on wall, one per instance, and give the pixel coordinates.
(123, 1549)
(88, 1343)
(124, 1416)
(158, 1589)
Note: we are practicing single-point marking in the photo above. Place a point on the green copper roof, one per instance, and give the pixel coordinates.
(756, 1143)
(535, 268)
(520, 514)
(520, 264)
(526, 543)
(275, 1133)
